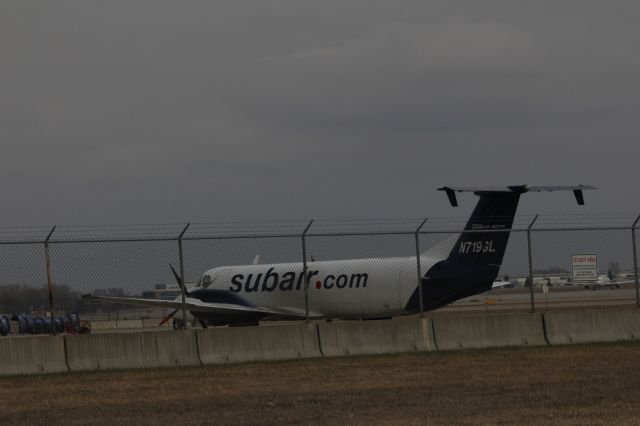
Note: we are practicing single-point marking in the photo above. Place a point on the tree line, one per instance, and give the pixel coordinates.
(26, 299)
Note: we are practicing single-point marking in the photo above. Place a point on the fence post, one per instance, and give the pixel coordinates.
(418, 260)
(304, 271)
(182, 287)
(49, 279)
(533, 308)
(635, 261)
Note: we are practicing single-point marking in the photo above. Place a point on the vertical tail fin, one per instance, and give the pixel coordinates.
(493, 218)
(475, 259)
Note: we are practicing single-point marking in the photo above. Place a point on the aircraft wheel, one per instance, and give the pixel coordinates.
(178, 324)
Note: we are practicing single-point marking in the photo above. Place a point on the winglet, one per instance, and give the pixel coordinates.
(451, 194)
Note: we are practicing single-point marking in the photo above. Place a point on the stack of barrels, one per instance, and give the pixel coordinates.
(27, 324)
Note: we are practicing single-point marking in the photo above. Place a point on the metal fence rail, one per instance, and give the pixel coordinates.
(44, 270)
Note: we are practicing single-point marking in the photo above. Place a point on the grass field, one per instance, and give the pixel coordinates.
(582, 384)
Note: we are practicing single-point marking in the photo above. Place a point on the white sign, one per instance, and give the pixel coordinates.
(585, 267)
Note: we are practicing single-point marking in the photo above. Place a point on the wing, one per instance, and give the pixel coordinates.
(197, 305)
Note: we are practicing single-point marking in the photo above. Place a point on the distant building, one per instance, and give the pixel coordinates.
(166, 291)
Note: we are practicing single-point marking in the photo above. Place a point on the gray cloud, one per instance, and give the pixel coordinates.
(159, 111)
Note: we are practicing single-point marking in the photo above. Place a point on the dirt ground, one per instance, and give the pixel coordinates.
(587, 384)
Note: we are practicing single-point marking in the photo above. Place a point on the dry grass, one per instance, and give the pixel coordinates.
(594, 384)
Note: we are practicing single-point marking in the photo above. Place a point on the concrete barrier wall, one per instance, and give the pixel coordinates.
(485, 331)
(376, 337)
(171, 348)
(264, 343)
(131, 350)
(593, 325)
(49, 354)
(32, 354)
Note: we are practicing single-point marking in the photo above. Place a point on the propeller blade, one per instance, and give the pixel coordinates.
(168, 317)
(179, 280)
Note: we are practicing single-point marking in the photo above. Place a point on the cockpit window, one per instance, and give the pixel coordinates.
(206, 281)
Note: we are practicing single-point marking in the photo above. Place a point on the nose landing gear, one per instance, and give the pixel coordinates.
(178, 324)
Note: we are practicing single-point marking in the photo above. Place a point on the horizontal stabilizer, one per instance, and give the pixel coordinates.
(517, 189)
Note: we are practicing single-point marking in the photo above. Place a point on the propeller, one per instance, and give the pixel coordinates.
(168, 317)
(182, 287)
(179, 280)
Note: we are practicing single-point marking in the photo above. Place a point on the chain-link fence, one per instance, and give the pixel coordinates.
(551, 262)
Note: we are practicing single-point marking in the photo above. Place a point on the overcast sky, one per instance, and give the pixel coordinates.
(167, 111)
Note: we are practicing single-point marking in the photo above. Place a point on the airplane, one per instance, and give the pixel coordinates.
(605, 283)
(458, 267)
(501, 283)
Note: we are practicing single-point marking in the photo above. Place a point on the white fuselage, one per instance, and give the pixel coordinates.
(354, 288)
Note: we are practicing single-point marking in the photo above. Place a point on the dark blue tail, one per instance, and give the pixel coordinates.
(474, 262)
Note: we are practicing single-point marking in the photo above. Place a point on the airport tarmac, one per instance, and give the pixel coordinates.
(497, 301)
(520, 301)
